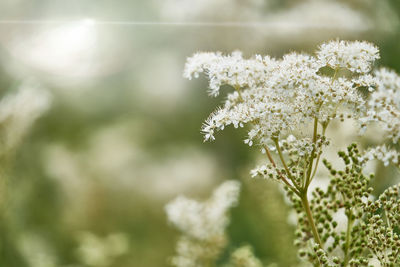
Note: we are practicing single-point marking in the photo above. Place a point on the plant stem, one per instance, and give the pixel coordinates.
(237, 88)
(324, 126)
(306, 206)
(347, 244)
(308, 180)
(280, 174)
(278, 148)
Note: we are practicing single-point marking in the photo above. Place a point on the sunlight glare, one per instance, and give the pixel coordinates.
(65, 50)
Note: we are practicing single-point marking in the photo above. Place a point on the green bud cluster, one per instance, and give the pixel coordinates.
(381, 227)
(371, 229)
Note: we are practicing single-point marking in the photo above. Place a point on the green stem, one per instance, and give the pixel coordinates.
(324, 126)
(279, 173)
(314, 140)
(237, 88)
(306, 206)
(348, 240)
(278, 148)
(310, 173)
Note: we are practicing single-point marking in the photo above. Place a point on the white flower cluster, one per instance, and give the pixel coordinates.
(382, 153)
(202, 225)
(280, 96)
(384, 103)
(232, 70)
(355, 56)
(204, 220)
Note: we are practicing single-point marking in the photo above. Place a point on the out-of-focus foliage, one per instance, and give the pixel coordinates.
(118, 133)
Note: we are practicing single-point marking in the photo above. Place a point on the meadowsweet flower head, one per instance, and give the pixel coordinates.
(278, 97)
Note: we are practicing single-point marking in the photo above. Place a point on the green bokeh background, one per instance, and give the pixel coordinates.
(142, 97)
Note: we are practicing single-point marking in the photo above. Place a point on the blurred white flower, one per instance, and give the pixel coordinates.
(244, 257)
(18, 111)
(202, 225)
(101, 251)
(204, 220)
(36, 251)
(191, 253)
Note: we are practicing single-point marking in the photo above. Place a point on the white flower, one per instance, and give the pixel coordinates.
(230, 69)
(204, 220)
(384, 103)
(355, 56)
(387, 79)
(281, 96)
(382, 153)
(202, 225)
(265, 171)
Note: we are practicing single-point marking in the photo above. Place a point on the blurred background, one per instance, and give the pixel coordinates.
(116, 131)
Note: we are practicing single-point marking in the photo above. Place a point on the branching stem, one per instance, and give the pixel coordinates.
(279, 173)
(306, 206)
(278, 148)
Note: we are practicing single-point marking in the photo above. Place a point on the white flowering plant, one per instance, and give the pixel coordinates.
(202, 225)
(288, 105)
